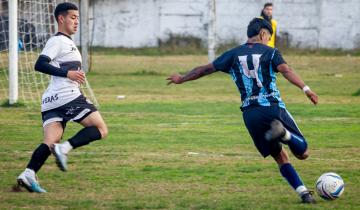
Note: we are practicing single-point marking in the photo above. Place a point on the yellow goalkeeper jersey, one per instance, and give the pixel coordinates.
(271, 43)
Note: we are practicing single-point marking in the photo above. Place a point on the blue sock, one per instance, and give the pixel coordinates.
(297, 144)
(289, 173)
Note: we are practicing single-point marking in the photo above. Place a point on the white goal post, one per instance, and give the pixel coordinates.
(212, 30)
(13, 52)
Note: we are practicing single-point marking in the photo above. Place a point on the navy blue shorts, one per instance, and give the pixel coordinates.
(257, 121)
(76, 110)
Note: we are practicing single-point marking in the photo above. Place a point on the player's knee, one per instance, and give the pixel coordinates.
(50, 142)
(103, 131)
(303, 156)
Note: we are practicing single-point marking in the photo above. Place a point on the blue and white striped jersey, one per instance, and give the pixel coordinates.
(252, 67)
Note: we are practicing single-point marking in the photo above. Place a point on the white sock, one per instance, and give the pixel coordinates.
(66, 147)
(29, 171)
(287, 136)
(301, 189)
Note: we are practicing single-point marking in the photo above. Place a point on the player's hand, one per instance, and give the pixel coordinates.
(77, 76)
(312, 96)
(175, 78)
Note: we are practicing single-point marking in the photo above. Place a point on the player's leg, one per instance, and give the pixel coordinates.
(28, 179)
(288, 171)
(52, 134)
(257, 121)
(94, 129)
(95, 120)
(82, 111)
(292, 177)
(287, 131)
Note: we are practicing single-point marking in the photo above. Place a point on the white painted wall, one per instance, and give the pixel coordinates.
(308, 23)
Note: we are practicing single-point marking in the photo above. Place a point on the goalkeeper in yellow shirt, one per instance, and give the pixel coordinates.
(266, 13)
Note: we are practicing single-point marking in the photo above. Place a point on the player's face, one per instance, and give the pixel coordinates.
(265, 36)
(268, 11)
(71, 21)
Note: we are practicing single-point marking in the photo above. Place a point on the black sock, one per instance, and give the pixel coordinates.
(39, 156)
(85, 136)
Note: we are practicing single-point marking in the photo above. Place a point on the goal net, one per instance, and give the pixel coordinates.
(36, 24)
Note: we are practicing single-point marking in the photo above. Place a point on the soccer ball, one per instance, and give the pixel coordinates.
(330, 186)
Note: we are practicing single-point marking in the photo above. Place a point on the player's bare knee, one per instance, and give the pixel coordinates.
(51, 142)
(103, 131)
(303, 156)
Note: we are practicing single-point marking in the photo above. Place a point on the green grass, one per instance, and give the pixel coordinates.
(186, 147)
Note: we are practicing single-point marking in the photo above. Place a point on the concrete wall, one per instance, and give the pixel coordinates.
(301, 23)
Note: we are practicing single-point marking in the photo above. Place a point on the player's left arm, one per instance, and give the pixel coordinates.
(292, 77)
(194, 74)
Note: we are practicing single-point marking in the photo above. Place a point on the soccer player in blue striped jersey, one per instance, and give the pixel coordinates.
(253, 67)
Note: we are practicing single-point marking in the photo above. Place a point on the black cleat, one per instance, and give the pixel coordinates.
(276, 131)
(307, 197)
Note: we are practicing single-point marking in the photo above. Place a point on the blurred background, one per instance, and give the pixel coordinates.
(149, 23)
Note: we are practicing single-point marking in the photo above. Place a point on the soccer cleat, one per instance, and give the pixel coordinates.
(307, 197)
(276, 131)
(61, 158)
(29, 181)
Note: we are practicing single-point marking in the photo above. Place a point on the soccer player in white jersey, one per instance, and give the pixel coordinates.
(62, 100)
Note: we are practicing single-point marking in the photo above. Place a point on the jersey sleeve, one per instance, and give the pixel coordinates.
(43, 65)
(224, 62)
(52, 48)
(277, 59)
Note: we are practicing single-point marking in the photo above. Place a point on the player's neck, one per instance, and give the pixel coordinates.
(64, 34)
(254, 40)
(63, 31)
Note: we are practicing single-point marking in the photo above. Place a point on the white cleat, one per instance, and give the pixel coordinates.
(29, 181)
(61, 158)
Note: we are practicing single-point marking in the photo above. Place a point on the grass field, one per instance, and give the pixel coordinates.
(186, 147)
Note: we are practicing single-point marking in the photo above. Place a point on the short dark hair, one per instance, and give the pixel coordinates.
(256, 25)
(62, 9)
(268, 4)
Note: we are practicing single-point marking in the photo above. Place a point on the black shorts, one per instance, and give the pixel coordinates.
(257, 121)
(76, 110)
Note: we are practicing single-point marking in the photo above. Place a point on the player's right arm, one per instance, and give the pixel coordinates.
(222, 63)
(51, 50)
(43, 65)
(194, 74)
